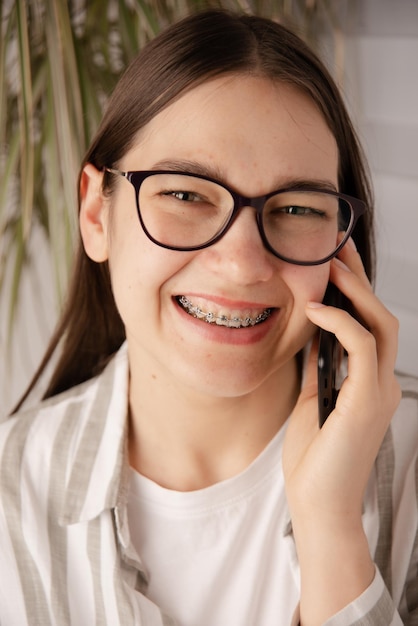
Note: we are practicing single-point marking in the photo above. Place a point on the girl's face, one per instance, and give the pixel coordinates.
(255, 136)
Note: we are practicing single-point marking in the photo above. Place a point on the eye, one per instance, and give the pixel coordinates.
(300, 211)
(184, 196)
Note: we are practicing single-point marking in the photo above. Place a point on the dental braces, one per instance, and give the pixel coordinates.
(223, 320)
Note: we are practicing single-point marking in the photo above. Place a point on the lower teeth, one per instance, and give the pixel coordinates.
(222, 320)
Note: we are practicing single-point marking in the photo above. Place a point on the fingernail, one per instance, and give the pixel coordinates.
(315, 305)
(340, 264)
(351, 243)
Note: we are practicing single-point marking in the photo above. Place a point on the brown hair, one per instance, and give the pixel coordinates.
(191, 51)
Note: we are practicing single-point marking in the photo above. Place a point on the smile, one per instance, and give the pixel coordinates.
(221, 319)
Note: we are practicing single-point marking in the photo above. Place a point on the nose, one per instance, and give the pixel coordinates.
(240, 253)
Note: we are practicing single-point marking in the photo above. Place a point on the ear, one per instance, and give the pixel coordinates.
(93, 214)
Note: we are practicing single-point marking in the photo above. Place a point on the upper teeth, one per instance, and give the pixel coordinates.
(221, 319)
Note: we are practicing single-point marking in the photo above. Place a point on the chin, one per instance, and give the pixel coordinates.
(226, 382)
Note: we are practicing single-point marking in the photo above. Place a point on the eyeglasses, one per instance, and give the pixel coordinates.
(182, 211)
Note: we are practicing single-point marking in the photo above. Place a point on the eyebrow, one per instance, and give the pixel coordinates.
(192, 167)
(202, 169)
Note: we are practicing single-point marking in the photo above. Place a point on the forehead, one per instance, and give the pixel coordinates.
(246, 128)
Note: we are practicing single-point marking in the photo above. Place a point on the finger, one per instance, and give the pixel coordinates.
(352, 259)
(371, 380)
(378, 319)
(356, 340)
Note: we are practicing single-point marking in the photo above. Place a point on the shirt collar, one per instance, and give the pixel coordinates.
(98, 469)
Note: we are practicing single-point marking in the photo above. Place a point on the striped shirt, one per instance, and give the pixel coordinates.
(66, 555)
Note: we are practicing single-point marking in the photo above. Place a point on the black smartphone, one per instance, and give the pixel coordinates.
(329, 360)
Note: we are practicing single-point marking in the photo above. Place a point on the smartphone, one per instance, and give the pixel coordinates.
(329, 360)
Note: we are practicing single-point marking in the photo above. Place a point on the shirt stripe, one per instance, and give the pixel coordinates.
(381, 613)
(385, 466)
(57, 535)
(412, 588)
(36, 601)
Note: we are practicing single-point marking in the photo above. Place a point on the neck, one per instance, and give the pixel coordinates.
(185, 441)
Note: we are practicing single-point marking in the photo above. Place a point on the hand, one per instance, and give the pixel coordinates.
(326, 471)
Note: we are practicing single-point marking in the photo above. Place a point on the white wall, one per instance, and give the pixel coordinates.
(34, 322)
(381, 86)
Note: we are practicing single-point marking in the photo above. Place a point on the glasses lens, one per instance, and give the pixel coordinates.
(183, 211)
(304, 226)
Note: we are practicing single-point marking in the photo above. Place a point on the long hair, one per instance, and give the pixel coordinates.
(198, 48)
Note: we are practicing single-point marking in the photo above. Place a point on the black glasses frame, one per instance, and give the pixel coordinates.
(136, 178)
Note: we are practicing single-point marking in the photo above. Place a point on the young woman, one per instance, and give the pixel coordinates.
(175, 472)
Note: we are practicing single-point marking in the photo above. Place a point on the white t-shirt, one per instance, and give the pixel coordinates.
(226, 541)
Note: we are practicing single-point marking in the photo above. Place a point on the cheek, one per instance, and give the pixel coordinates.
(318, 284)
(124, 260)
(139, 270)
(307, 283)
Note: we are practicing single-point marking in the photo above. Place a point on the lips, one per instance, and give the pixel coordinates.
(221, 317)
